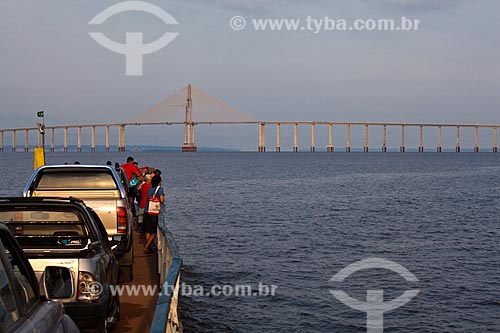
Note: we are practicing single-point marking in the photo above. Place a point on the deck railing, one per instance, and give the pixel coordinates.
(166, 318)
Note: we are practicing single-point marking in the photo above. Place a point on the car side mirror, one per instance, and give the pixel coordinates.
(58, 282)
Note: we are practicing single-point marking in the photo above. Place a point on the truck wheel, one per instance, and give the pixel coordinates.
(126, 273)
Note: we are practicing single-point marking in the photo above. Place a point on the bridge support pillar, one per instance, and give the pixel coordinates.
(476, 144)
(365, 147)
(107, 139)
(14, 141)
(295, 141)
(384, 140)
(348, 143)
(313, 144)
(330, 148)
(262, 140)
(439, 147)
(495, 148)
(92, 144)
(402, 147)
(1, 141)
(421, 145)
(26, 143)
(121, 138)
(278, 138)
(52, 139)
(65, 147)
(79, 140)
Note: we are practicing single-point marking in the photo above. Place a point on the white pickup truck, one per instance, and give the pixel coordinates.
(101, 188)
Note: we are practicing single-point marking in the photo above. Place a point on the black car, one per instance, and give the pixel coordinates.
(66, 242)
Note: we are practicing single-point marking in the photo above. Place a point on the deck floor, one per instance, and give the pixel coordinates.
(137, 312)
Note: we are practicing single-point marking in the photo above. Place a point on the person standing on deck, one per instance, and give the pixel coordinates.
(131, 169)
(143, 201)
(151, 221)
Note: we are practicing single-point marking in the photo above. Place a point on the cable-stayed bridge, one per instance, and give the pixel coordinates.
(191, 107)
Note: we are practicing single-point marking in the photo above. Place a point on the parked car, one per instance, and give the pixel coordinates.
(69, 251)
(102, 189)
(22, 309)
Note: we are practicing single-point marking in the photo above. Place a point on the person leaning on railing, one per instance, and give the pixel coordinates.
(151, 221)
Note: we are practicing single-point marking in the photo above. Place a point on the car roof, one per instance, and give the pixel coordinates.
(71, 201)
(76, 167)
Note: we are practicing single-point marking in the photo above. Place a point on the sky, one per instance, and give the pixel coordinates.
(445, 72)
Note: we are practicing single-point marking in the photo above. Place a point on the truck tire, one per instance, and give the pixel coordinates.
(127, 266)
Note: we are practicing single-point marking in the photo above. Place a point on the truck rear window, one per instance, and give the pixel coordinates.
(80, 180)
(37, 229)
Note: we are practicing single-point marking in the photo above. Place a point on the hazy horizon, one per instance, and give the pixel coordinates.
(446, 72)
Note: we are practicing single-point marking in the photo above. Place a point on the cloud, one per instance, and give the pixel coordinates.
(251, 6)
(418, 5)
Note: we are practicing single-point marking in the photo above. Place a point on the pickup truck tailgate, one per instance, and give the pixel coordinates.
(103, 202)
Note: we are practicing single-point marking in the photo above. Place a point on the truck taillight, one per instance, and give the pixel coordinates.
(121, 220)
(18, 230)
(88, 289)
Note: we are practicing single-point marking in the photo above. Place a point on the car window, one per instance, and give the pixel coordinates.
(100, 227)
(22, 285)
(8, 308)
(76, 180)
(37, 229)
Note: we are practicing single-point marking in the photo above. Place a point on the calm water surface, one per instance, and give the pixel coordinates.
(294, 220)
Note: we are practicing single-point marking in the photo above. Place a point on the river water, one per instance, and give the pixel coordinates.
(294, 220)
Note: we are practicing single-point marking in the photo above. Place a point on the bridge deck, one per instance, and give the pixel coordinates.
(137, 312)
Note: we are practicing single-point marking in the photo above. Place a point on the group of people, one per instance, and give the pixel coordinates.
(145, 189)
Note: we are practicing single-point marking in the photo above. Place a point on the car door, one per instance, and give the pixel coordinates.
(21, 309)
(109, 260)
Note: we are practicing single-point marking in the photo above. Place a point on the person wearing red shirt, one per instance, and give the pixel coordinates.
(131, 170)
(142, 203)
